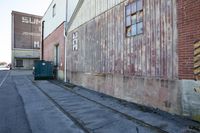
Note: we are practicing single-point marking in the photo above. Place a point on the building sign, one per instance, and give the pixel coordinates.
(197, 59)
(31, 34)
(30, 20)
(75, 41)
(36, 44)
(27, 31)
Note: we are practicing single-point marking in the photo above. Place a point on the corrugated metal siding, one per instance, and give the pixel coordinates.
(104, 48)
(92, 8)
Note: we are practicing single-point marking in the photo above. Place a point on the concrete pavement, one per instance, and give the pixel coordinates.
(52, 107)
(43, 116)
(12, 114)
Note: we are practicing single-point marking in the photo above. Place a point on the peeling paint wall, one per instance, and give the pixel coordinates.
(104, 48)
(142, 69)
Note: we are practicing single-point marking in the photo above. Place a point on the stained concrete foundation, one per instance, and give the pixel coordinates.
(174, 96)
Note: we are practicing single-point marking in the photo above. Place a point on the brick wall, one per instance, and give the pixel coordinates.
(55, 38)
(188, 33)
(26, 30)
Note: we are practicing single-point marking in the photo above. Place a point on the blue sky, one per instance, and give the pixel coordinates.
(37, 7)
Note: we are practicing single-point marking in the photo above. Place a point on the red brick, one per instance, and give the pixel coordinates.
(188, 33)
(56, 37)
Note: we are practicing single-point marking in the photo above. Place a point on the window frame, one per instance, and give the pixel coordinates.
(56, 55)
(54, 10)
(21, 63)
(136, 12)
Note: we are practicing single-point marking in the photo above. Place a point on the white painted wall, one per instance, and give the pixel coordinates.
(71, 7)
(51, 23)
(92, 8)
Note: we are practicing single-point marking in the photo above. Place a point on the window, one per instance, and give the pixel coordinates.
(56, 55)
(54, 10)
(134, 18)
(75, 41)
(19, 63)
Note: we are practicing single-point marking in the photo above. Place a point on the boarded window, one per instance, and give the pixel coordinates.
(134, 18)
(19, 63)
(197, 60)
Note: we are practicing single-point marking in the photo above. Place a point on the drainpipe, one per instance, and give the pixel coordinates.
(65, 35)
(67, 25)
(42, 50)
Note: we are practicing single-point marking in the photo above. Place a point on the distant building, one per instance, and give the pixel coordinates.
(26, 39)
(54, 33)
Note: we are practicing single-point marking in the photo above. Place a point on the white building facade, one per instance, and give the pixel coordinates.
(54, 25)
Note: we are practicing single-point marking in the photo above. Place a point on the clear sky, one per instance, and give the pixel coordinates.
(37, 7)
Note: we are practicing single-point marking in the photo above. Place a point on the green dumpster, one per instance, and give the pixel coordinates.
(43, 70)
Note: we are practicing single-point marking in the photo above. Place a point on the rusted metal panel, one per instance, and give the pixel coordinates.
(108, 50)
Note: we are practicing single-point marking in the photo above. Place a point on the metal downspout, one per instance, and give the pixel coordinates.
(42, 48)
(65, 35)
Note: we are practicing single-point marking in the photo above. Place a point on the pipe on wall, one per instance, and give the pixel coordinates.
(42, 47)
(65, 35)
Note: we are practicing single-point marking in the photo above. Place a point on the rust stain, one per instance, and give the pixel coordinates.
(106, 49)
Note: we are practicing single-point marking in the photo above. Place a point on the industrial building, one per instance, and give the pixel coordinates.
(26, 39)
(138, 50)
(142, 51)
(54, 23)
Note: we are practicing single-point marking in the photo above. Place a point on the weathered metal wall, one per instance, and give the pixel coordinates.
(92, 8)
(103, 47)
(141, 69)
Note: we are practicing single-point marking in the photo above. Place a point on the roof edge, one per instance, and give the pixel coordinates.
(23, 13)
(79, 5)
